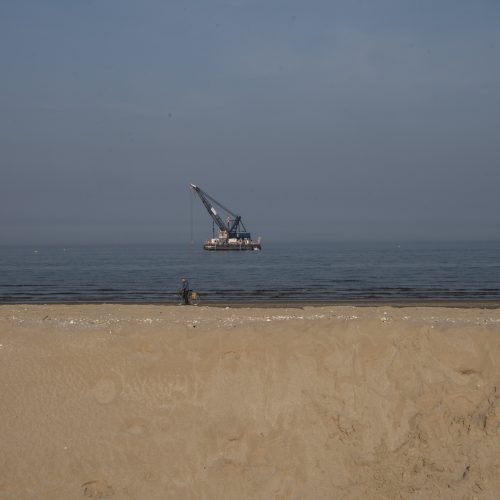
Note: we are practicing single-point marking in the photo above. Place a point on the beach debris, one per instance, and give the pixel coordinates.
(385, 318)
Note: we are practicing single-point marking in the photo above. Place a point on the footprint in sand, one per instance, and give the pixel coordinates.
(137, 426)
(105, 391)
(97, 489)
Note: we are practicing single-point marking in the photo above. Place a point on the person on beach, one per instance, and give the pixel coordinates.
(185, 290)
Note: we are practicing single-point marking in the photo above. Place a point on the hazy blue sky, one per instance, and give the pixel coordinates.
(368, 119)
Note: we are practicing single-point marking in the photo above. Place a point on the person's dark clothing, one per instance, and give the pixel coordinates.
(185, 292)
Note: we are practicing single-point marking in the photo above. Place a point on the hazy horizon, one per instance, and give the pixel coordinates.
(328, 121)
(197, 243)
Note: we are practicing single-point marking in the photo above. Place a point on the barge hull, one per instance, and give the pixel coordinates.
(231, 248)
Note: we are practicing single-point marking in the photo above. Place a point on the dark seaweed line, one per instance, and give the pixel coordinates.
(141, 296)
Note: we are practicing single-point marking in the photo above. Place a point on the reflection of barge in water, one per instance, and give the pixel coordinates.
(233, 235)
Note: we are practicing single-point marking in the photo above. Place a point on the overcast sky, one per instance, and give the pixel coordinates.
(330, 120)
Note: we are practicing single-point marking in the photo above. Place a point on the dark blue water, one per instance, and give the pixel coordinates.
(280, 272)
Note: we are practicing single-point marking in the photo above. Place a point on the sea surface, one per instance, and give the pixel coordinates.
(280, 272)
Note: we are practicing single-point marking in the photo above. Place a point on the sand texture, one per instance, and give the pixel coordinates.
(168, 402)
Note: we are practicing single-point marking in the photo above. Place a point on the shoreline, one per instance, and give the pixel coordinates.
(288, 304)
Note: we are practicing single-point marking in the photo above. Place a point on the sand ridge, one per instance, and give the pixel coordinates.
(151, 401)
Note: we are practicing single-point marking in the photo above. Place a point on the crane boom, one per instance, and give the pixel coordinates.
(205, 199)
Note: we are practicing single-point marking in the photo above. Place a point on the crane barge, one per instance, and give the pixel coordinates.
(232, 233)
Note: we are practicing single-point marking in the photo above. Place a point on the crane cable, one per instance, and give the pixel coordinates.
(191, 218)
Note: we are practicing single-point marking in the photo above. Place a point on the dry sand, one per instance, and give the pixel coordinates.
(164, 402)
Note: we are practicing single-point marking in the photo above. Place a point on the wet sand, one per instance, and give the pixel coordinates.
(160, 402)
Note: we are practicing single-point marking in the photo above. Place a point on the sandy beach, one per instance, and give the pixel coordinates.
(169, 402)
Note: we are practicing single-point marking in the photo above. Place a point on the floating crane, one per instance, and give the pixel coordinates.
(232, 233)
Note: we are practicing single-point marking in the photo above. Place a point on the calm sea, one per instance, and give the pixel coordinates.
(280, 272)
